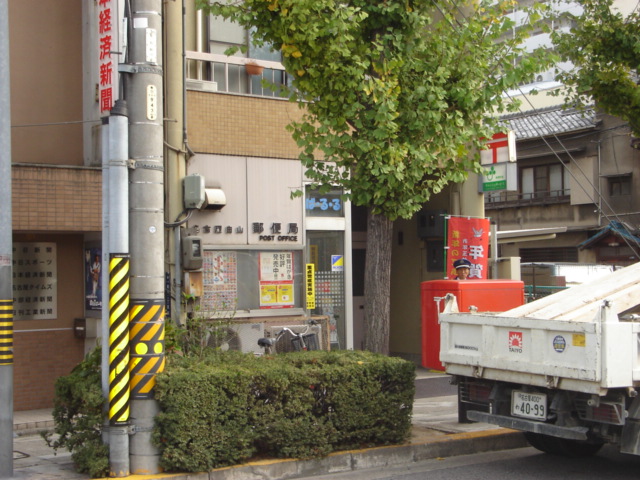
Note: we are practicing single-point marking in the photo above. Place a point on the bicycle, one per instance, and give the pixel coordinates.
(300, 341)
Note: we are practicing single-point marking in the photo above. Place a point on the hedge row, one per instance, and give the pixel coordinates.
(231, 407)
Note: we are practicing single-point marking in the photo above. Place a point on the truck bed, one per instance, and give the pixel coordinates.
(572, 340)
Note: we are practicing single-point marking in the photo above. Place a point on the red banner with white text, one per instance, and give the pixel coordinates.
(468, 238)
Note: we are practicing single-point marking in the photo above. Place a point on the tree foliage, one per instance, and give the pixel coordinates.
(397, 97)
(604, 46)
(396, 94)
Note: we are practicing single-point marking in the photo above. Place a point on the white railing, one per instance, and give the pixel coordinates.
(222, 73)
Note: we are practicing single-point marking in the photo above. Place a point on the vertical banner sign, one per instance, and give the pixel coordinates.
(107, 43)
(6, 332)
(93, 279)
(310, 277)
(118, 338)
(468, 238)
(146, 335)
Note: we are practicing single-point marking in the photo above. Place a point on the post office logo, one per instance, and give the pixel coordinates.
(515, 342)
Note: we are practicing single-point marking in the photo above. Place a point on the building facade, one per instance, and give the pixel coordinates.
(577, 171)
(56, 195)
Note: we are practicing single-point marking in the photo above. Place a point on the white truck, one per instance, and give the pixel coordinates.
(564, 369)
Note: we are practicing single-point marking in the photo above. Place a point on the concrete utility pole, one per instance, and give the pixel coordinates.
(143, 92)
(117, 246)
(6, 255)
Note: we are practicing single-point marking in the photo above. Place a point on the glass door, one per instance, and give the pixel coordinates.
(325, 249)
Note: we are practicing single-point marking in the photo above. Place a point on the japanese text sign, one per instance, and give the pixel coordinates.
(468, 238)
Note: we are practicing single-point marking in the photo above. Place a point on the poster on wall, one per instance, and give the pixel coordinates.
(276, 280)
(468, 238)
(219, 281)
(93, 279)
(35, 281)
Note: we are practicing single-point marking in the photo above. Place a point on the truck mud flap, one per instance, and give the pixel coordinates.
(571, 433)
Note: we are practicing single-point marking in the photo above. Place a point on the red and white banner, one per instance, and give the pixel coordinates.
(468, 238)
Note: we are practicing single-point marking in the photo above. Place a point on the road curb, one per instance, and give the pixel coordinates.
(352, 460)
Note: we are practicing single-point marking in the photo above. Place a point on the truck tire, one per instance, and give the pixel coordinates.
(562, 446)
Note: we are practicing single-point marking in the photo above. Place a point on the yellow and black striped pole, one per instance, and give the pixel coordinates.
(6, 332)
(118, 338)
(147, 346)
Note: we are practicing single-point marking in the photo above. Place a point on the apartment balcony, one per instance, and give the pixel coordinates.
(211, 72)
(501, 200)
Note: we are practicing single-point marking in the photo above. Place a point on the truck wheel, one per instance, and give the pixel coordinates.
(562, 446)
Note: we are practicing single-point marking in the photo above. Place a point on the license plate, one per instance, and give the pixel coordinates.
(529, 405)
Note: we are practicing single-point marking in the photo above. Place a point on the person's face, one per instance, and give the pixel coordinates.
(463, 273)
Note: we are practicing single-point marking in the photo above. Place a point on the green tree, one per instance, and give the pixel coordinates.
(604, 46)
(397, 96)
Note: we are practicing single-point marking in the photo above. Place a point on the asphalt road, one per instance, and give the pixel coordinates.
(434, 387)
(520, 464)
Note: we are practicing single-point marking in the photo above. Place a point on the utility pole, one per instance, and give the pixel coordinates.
(117, 245)
(144, 95)
(6, 255)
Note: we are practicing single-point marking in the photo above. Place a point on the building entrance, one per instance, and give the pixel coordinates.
(325, 249)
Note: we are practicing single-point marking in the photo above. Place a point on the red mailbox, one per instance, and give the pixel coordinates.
(486, 295)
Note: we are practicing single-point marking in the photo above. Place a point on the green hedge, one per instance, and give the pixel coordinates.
(230, 407)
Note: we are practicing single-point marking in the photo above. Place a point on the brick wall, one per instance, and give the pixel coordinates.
(56, 199)
(40, 357)
(241, 125)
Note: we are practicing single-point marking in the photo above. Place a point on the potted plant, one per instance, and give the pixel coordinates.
(252, 68)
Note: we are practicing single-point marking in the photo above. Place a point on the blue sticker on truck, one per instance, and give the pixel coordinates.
(559, 343)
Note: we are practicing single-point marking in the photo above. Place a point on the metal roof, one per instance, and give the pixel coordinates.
(549, 121)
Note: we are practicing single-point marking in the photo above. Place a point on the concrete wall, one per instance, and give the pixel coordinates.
(51, 191)
(46, 81)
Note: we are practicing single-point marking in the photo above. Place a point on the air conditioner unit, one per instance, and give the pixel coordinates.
(285, 344)
(202, 85)
(242, 337)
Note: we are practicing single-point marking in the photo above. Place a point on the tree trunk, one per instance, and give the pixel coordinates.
(377, 283)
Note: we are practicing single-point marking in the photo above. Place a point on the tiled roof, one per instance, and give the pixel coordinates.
(614, 228)
(549, 121)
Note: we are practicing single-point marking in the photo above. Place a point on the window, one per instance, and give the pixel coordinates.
(244, 280)
(544, 181)
(549, 254)
(620, 185)
(232, 77)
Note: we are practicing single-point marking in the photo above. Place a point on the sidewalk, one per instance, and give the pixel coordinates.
(435, 433)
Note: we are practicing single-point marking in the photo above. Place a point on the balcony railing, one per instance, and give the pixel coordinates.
(221, 73)
(516, 199)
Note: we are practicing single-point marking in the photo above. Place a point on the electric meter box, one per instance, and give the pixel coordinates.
(194, 191)
(191, 253)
